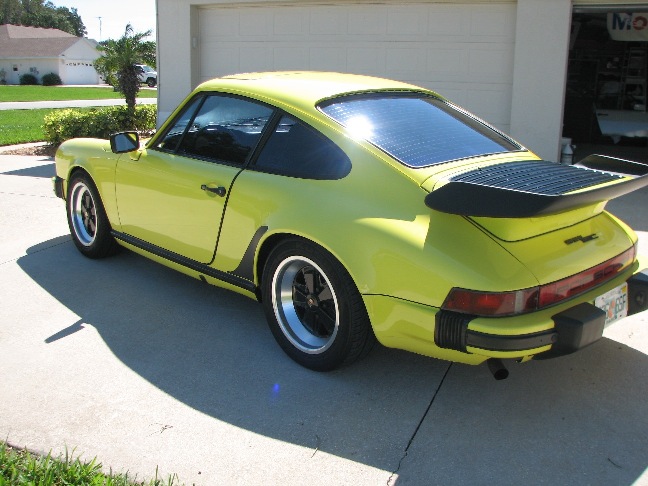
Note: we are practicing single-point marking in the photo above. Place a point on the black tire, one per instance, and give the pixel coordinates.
(313, 307)
(151, 82)
(87, 218)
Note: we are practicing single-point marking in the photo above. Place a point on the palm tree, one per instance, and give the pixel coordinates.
(120, 59)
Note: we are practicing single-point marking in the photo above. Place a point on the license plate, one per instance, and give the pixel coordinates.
(614, 303)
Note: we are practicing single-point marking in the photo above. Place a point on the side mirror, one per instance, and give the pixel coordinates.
(124, 142)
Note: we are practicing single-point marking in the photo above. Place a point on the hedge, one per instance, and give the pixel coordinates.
(62, 125)
(28, 79)
(52, 79)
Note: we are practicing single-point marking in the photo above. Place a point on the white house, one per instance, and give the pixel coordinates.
(505, 60)
(37, 51)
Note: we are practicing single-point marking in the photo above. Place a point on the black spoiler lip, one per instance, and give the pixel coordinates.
(470, 199)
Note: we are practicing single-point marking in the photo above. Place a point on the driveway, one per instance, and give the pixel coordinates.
(143, 367)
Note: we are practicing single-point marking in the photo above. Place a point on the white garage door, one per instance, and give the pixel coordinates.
(464, 52)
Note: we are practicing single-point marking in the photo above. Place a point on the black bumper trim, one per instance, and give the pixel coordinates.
(451, 332)
(574, 329)
(518, 342)
(638, 292)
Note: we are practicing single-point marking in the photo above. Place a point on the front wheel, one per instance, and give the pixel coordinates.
(87, 219)
(313, 307)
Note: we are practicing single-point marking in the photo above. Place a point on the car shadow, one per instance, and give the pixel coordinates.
(41, 171)
(211, 350)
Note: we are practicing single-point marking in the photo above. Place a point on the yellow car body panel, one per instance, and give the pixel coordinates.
(404, 257)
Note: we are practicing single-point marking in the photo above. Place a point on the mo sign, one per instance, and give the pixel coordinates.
(628, 26)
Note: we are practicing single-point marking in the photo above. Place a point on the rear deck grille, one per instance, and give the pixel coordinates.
(536, 176)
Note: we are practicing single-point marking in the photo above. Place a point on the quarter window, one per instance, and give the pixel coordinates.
(298, 150)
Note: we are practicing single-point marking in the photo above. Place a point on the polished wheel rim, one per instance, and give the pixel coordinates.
(83, 214)
(305, 305)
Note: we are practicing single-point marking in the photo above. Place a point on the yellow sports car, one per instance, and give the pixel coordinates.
(356, 208)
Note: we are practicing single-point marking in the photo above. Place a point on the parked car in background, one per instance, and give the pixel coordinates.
(147, 75)
(357, 208)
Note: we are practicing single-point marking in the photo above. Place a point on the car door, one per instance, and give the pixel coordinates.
(173, 196)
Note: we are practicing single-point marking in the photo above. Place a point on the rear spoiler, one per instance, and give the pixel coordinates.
(501, 191)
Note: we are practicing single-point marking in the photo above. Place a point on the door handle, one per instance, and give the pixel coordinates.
(219, 191)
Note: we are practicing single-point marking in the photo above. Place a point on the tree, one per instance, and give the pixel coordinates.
(120, 58)
(39, 13)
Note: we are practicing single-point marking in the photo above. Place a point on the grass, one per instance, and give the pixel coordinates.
(19, 467)
(22, 126)
(56, 93)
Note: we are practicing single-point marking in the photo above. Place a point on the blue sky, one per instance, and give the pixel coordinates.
(115, 14)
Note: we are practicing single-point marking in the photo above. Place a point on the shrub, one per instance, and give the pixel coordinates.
(26, 79)
(63, 125)
(52, 79)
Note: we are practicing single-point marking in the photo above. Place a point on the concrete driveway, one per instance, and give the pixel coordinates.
(143, 367)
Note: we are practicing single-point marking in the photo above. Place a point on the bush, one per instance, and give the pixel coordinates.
(52, 79)
(28, 79)
(63, 125)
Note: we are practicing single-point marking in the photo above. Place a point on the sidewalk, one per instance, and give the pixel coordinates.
(28, 105)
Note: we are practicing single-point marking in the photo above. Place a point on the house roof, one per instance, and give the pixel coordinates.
(18, 41)
(9, 31)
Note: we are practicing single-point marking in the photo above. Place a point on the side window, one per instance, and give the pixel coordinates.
(298, 150)
(225, 129)
(172, 138)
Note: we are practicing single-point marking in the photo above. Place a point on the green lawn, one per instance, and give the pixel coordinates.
(22, 468)
(22, 126)
(55, 93)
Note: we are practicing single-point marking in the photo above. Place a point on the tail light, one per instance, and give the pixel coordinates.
(498, 304)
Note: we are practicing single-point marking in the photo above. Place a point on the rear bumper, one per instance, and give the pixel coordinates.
(466, 339)
(574, 329)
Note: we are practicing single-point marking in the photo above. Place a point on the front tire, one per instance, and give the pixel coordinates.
(87, 218)
(313, 307)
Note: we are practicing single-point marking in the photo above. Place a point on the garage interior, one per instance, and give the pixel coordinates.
(605, 101)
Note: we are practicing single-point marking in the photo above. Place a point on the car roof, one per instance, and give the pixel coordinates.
(304, 88)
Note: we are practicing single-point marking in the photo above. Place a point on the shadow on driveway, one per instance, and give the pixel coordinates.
(579, 419)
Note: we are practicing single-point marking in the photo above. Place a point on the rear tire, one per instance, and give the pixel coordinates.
(313, 307)
(87, 218)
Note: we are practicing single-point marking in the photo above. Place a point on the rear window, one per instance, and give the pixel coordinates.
(417, 129)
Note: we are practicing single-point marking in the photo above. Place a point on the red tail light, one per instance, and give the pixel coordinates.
(494, 304)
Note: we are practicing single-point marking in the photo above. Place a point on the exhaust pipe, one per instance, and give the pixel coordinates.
(497, 368)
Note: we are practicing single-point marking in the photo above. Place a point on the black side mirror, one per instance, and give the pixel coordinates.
(124, 142)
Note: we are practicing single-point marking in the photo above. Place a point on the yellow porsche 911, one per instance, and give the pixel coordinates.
(356, 208)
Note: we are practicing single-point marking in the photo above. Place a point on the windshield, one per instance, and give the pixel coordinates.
(417, 129)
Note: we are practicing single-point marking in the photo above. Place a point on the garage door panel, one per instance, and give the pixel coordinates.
(291, 58)
(327, 21)
(291, 23)
(408, 22)
(495, 23)
(439, 46)
(327, 59)
(366, 60)
(491, 64)
(256, 56)
(366, 23)
(448, 64)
